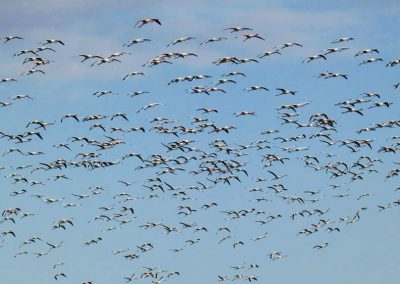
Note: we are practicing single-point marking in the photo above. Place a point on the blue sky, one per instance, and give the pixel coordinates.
(363, 252)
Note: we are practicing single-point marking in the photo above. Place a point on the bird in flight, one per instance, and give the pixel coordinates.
(142, 22)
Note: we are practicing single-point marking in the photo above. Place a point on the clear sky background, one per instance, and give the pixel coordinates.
(365, 251)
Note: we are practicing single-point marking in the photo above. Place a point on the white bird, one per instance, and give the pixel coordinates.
(343, 39)
(238, 29)
(88, 56)
(9, 38)
(52, 41)
(132, 74)
(104, 60)
(366, 51)
(269, 53)
(6, 80)
(142, 22)
(370, 60)
(314, 57)
(136, 41)
(212, 39)
(321, 246)
(33, 71)
(151, 105)
(290, 44)
(181, 39)
(256, 88)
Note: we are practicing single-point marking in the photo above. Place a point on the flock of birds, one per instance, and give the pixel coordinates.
(199, 150)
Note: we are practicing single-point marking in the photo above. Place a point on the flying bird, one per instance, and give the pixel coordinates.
(142, 22)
